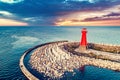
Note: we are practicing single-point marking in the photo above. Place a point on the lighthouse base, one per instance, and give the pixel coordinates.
(82, 48)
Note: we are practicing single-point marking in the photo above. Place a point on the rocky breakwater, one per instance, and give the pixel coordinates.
(56, 58)
(105, 47)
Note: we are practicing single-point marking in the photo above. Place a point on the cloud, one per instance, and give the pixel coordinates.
(89, 23)
(90, 1)
(9, 22)
(11, 1)
(54, 7)
(46, 12)
(5, 13)
(111, 16)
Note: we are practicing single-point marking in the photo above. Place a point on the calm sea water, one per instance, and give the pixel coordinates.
(15, 40)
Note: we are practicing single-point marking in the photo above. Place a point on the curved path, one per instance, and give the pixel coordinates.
(24, 69)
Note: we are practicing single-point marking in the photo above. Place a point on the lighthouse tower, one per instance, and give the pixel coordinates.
(83, 42)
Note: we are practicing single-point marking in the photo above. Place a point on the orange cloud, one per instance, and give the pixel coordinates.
(96, 18)
(104, 23)
(91, 23)
(9, 22)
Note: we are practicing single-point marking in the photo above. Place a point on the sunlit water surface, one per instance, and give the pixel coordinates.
(15, 40)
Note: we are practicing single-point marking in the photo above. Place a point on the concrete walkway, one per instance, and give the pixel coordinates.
(24, 69)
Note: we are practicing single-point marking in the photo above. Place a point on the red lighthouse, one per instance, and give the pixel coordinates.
(83, 43)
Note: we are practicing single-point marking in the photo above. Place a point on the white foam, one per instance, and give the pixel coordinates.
(22, 41)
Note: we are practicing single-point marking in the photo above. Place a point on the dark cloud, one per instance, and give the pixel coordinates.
(47, 11)
(75, 20)
(111, 16)
(53, 7)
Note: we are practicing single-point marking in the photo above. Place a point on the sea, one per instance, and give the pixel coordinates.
(15, 40)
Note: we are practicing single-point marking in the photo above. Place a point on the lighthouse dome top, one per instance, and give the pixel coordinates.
(84, 30)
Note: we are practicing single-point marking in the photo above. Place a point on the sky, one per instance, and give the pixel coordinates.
(59, 12)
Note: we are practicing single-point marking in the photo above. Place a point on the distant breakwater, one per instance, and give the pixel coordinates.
(105, 47)
(98, 51)
(55, 58)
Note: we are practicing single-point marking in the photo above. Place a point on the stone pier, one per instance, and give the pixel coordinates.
(56, 58)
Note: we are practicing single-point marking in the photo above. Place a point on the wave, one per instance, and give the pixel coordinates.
(23, 41)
